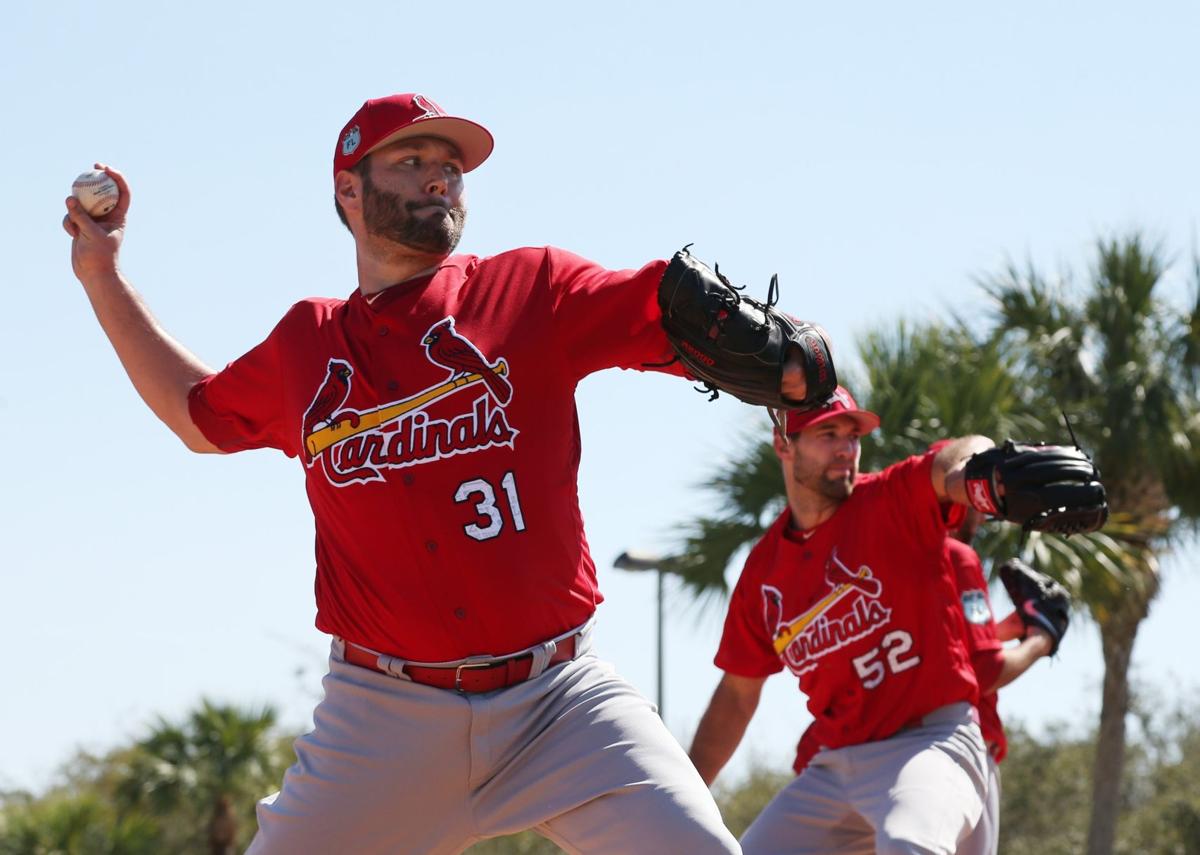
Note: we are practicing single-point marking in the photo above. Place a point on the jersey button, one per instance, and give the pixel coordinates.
(383, 330)
(409, 479)
(393, 385)
(431, 545)
(806, 555)
(460, 613)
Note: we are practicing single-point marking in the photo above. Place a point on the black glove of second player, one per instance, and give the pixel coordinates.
(1039, 600)
(1052, 488)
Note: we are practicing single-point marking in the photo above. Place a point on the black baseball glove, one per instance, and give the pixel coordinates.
(1051, 488)
(732, 343)
(1039, 600)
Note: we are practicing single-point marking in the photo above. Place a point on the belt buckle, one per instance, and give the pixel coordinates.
(472, 662)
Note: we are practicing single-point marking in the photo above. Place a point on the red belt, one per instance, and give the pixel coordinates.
(486, 675)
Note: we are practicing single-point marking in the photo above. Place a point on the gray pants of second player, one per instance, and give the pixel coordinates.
(921, 791)
(577, 754)
(985, 839)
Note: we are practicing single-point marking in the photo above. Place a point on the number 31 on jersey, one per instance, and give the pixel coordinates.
(482, 493)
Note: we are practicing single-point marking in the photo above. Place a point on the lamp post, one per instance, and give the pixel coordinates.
(636, 561)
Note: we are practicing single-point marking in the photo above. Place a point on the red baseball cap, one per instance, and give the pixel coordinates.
(840, 403)
(384, 120)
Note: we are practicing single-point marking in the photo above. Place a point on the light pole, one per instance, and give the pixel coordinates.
(636, 560)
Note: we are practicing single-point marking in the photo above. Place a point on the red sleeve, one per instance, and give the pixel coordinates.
(746, 648)
(607, 318)
(240, 407)
(979, 623)
(909, 486)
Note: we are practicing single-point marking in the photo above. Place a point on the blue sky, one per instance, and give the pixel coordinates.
(879, 157)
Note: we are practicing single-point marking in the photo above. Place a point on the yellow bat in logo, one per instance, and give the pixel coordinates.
(785, 635)
(319, 440)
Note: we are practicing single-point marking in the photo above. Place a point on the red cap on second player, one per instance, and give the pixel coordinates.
(840, 403)
(384, 120)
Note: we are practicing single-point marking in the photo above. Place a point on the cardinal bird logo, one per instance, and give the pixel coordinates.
(330, 397)
(432, 110)
(452, 415)
(445, 347)
(821, 628)
(837, 574)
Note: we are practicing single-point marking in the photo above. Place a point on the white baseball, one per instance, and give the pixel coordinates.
(96, 191)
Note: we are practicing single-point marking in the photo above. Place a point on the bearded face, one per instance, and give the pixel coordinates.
(824, 458)
(389, 216)
(816, 476)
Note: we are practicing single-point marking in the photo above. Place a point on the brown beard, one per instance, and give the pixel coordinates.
(838, 489)
(388, 216)
(831, 489)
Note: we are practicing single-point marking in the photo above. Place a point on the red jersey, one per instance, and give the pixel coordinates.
(437, 429)
(806, 749)
(986, 650)
(864, 612)
(982, 645)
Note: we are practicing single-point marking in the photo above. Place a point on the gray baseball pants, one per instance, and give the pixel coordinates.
(920, 791)
(576, 754)
(985, 839)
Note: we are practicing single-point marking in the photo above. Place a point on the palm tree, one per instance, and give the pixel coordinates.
(1120, 359)
(210, 769)
(1127, 363)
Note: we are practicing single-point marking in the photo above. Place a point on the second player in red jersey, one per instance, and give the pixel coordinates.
(994, 665)
(852, 591)
(859, 609)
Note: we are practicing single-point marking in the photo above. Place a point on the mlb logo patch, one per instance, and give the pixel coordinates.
(975, 607)
(351, 140)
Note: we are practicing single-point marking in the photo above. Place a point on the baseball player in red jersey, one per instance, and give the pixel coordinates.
(995, 665)
(433, 413)
(852, 591)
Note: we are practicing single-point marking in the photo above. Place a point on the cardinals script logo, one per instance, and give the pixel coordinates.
(355, 446)
(803, 640)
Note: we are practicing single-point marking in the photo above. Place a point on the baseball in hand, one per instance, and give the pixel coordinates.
(96, 192)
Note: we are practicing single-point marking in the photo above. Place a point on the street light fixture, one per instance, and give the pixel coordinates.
(635, 560)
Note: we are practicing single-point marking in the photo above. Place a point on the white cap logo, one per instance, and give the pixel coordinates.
(840, 397)
(351, 140)
(431, 109)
